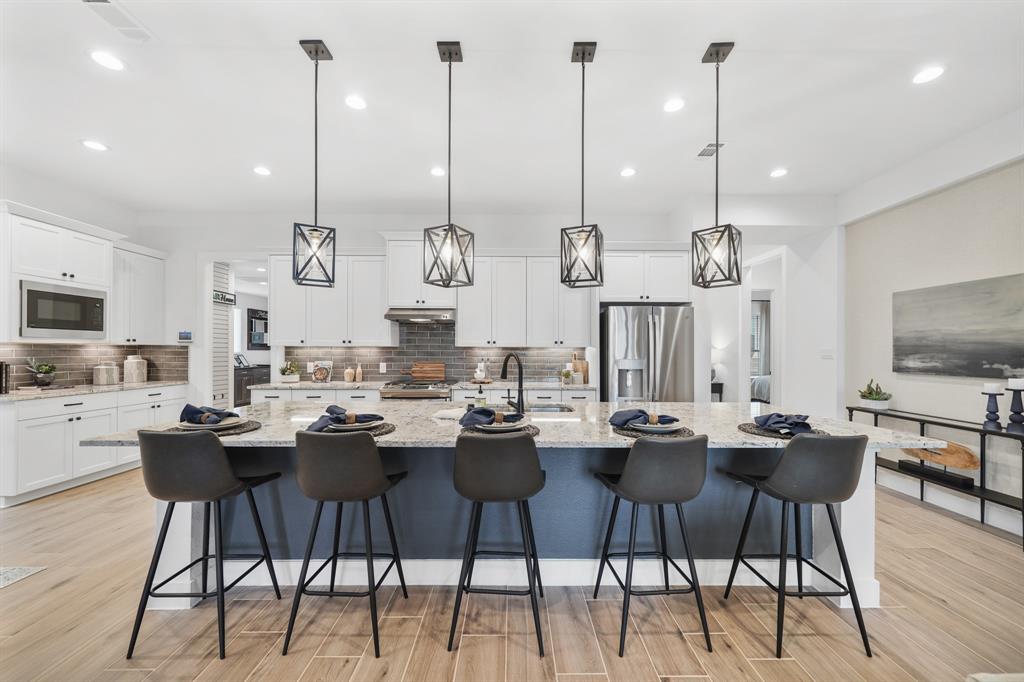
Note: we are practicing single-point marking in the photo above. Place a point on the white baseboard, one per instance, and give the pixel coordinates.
(12, 500)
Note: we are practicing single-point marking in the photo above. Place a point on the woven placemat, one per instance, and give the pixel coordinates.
(382, 429)
(248, 426)
(756, 430)
(633, 433)
(529, 428)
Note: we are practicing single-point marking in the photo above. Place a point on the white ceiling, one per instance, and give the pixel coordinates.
(820, 88)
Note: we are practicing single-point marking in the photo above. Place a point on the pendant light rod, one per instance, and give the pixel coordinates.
(449, 140)
(718, 148)
(583, 127)
(316, 141)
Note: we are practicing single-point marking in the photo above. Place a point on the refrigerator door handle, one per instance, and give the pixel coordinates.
(653, 364)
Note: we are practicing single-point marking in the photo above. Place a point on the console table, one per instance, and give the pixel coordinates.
(980, 491)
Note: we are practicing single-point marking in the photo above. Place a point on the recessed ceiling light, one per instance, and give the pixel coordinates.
(107, 60)
(261, 269)
(261, 170)
(778, 172)
(355, 102)
(674, 104)
(263, 284)
(928, 74)
(95, 145)
(627, 172)
(437, 172)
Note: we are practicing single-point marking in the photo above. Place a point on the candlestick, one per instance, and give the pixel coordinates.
(1016, 384)
(991, 387)
(1016, 423)
(992, 415)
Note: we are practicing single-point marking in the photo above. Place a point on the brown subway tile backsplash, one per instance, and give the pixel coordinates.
(75, 362)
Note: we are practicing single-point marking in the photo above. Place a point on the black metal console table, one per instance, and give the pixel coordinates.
(981, 491)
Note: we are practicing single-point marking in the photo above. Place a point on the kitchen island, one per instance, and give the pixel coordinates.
(569, 514)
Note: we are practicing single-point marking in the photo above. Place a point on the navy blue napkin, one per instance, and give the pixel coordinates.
(485, 415)
(336, 415)
(204, 415)
(626, 418)
(783, 423)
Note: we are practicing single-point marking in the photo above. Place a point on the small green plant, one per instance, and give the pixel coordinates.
(874, 391)
(41, 367)
(289, 368)
(566, 375)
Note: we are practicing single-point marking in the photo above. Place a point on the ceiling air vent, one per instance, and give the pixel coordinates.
(118, 19)
(710, 149)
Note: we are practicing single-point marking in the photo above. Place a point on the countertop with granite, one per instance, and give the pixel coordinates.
(84, 389)
(423, 424)
(319, 385)
(502, 384)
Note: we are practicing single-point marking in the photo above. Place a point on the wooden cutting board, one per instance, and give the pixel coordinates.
(581, 366)
(953, 455)
(427, 371)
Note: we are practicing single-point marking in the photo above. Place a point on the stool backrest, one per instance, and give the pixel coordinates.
(818, 469)
(665, 470)
(339, 467)
(497, 467)
(186, 467)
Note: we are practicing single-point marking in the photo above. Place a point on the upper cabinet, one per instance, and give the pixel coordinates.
(40, 250)
(405, 285)
(492, 312)
(137, 299)
(646, 276)
(557, 315)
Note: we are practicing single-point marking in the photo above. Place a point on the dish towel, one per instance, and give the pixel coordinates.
(204, 415)
(485, 415)
(336, 415)
(783, 423)
(626, 418)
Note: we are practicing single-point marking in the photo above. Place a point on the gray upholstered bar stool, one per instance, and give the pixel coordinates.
(658, 471)
(193, 467)
(499, 467)
(344, 467)
(813, 469)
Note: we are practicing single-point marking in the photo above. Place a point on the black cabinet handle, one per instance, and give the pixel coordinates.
(72, 275)
(127, 339)
(271, 396)
(152, 407)
(71, 419)
(150, 395)
(78, 419)
(71, 404)
(543, 397)
(63, 274)
(356, 396)
(577, 397)
(314, 396)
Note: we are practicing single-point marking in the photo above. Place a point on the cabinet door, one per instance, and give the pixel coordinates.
(146, 308)
(623, 277)
(473, 320)
(405, 274)
(89, 260)
(265, 395)
(38, 249)
(44, 452)
(167, 411)
(542, 287)
(87, 460)
(363, 395)
(131, 418)
(575, 316)
(327, 318)
(368, 301)
(667, 277)
(287, 305)
(508, 301)
(120, 302)
(439, 297)
(315, 395)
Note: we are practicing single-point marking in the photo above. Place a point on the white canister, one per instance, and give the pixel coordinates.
(104, 374)
(135, 369)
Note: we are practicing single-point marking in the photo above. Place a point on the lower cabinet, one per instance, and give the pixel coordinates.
(44, 453)
(369, 396)
(141, 416)
(90, 460)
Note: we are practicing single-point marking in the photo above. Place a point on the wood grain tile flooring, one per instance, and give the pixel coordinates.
(951, 595)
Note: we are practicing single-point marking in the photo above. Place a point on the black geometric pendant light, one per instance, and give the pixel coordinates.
(582, 246)
(448, 249)
(717, 251)
(313, 245)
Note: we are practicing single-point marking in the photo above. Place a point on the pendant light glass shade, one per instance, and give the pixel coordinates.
(717, 254)
(313, 255)
(582, 256)
(448, 256)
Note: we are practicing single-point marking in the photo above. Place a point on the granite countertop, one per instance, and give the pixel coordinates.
(588, 427)
(501, 385)
(312, 386)
(85, 389)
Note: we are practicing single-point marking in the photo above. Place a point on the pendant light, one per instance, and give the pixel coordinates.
(313, 245)
(716, 251)
(582, 246)
(448, 249)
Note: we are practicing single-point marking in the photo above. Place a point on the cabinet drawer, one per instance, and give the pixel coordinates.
(266, 395)
(315, 395)
(50, 407)
(149, 395)
(545, 395)
(359, 394)
(463, 395)
(578, 396)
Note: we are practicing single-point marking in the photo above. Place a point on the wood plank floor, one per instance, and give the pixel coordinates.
(71, 622)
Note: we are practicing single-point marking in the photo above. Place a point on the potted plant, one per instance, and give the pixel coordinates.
(43, 373)
(872, 396)
(289, 373)
(566, 376)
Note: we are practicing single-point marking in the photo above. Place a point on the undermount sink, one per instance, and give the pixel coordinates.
(536, 407)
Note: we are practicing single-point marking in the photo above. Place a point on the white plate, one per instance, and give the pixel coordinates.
(657, 428)
(353, 427)
(503, 427)
(226, 423)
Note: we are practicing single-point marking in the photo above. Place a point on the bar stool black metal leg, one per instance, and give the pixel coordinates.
(370, 581)
(218, 543)
(477, 513)
(783, 559)
(743, 539)
(394, 544)
(629, 580)
(463, 573)
(799, 550)
(150, 576)
(849, 578)
(664, 543)
(533, 547)
(693, 576)
(206, 546)
(607, 544)
(302, 576)
(263, 541)
(527, 549)
(337, 542)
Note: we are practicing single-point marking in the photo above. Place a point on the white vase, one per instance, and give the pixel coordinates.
(289, 378)
(135, 369)
(874, 404)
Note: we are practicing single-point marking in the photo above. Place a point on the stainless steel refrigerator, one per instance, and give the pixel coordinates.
(647, 353)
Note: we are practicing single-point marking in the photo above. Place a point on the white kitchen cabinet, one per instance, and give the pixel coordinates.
(556, 314)
(492, 312)
(269, 395)
(131, 418)
(327, 310)
(287, 305)
(473, 321)
(646, 276)
(167, 411)
(40, 250)
(574, 396)
(137, 299)
(315, 395)
(359, 394)
(44, 452)
(88, 460)
(543, 395)
(405, 279)
(368, 302)
(576, 310)
(145, 408)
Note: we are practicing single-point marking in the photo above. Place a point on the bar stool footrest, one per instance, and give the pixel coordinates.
(649, 593)
(348, 555)
(203, 595)
(843, 589)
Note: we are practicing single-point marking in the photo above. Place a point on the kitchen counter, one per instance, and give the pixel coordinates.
(85, 389)
(503, 384)
(314, 385)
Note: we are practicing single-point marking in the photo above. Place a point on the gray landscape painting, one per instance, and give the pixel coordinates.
(973, 329)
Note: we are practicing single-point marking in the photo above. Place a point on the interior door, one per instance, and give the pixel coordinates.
(287, 305)
(328, 309)
(508, 301)
(542, 301)
(473, 321)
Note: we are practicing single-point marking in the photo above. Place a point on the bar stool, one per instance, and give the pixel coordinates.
(658, 471)
(193, 467)
(500, 467)
(344, 467)
(813, 469)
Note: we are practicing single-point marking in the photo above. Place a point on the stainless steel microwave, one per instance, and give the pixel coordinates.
(52, 311)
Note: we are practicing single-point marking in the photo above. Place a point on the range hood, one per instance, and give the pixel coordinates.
(421, 315)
